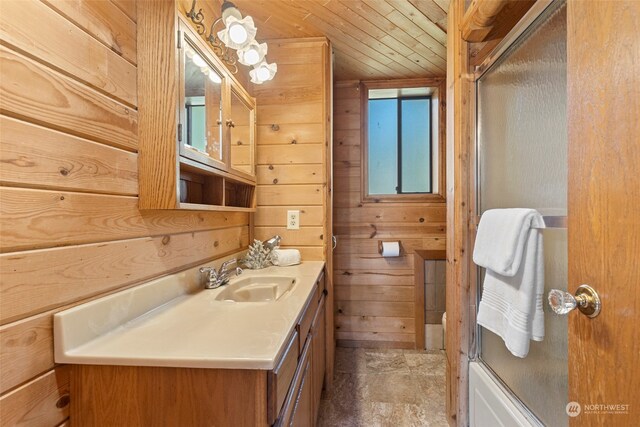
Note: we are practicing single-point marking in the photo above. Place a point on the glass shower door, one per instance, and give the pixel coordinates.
(522, 162)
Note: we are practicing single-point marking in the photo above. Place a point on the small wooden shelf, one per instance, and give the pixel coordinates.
(204, 188)
(199, 207)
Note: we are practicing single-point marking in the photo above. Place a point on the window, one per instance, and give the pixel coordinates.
(401, 140)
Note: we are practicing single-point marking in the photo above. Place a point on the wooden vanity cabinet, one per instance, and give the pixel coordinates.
(196, 122)
(289, 395)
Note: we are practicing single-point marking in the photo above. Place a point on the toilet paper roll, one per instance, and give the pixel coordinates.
(390, 249)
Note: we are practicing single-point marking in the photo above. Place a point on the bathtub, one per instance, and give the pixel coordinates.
(491, 404)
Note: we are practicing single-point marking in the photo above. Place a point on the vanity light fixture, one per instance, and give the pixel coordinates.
(239, 34)
(263, 72)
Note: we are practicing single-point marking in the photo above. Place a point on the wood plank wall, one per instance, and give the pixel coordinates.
(374, 295)
(69, 223)
(292, 145)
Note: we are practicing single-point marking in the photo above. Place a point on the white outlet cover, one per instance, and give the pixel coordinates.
(293, 220)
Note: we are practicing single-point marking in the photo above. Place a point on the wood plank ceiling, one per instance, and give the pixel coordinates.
(372, 39)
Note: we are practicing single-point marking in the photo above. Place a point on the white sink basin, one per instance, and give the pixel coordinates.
(257, 289)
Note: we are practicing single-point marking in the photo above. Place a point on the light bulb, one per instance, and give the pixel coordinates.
(251, 56)
(238, 33)
(262, 73)
(198, 61)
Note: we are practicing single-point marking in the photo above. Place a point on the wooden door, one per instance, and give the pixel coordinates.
(604, 209)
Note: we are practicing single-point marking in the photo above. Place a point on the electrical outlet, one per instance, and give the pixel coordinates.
(293, 220)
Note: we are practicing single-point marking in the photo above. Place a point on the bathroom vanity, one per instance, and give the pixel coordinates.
(251, 353)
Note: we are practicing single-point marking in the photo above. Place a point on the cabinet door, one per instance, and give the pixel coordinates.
(200, 104)
(318, 331)
(241, 122)
(298, 407)
(303, 411)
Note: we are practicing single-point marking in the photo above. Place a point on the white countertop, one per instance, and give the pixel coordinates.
(174, 322)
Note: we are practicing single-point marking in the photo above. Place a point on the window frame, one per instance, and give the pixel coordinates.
(437, 96)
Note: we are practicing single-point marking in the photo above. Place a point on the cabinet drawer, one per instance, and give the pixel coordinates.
(279, 380)
(307, 319)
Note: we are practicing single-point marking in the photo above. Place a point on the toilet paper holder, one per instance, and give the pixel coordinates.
(380, 242)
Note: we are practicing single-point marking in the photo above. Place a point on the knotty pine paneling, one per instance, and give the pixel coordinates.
(26, 349)
(38, 94)
(39, 280)
(62, 161)
(375, 296)
(43, 401)
(105, 21)
(70, 225)
(52, 39)
(394, 277)
(375, 324)
(128, 7)
(291, 174)
(284, 133)
(292, 146)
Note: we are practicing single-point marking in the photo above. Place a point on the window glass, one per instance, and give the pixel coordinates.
(399, 142)
(416, 146)
(383, 146)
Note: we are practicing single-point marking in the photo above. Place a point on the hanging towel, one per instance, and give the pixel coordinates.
(511, 251)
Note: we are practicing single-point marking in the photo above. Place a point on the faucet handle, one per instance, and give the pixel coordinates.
(223, 267)
(211, 271)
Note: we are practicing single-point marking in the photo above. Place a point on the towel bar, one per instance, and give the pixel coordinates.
(555, 221)
(550, 221)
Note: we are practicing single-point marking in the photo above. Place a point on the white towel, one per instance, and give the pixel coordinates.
(285, 257)
(512, 252)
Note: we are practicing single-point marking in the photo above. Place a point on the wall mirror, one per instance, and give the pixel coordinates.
(202, 109)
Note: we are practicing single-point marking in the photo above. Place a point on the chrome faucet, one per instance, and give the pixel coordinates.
(215, 279)
(273, 242)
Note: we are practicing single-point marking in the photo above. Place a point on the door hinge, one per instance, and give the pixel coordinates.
(179, 132)
(179, 40)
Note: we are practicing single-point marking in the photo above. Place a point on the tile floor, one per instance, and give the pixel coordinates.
(390, 388)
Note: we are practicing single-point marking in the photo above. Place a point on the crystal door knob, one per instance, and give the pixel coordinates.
(586, 300)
